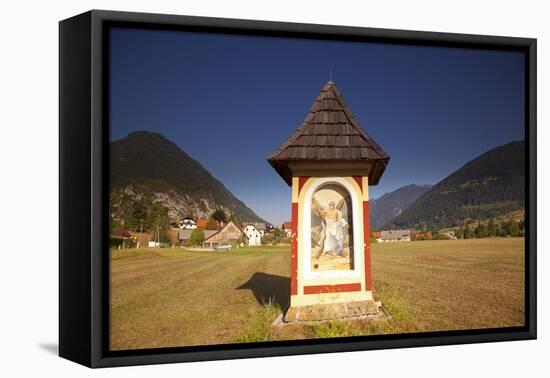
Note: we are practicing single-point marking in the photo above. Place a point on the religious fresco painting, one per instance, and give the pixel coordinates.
(268, 189)
(331, 229)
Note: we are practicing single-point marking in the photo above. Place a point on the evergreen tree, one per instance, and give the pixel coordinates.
(157, 222)
(501, 231)
(219, 216)
(138, 214)
(491, 228)
(481, 230)
(468, 233)
(113, 225)
(512, 228)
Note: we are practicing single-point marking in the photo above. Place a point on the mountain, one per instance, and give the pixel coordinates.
(390, 205)
(488, 186)
(146, 167)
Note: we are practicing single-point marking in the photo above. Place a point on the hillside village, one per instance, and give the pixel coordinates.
(161, 197)
(215, 233)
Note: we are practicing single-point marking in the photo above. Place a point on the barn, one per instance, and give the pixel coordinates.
(229, 233)
(394, 236)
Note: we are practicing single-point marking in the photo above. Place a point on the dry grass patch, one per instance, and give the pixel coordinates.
(171, 297)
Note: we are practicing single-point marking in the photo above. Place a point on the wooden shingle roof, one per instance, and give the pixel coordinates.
(330, 133)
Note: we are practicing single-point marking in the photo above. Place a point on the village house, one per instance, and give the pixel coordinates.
(394, 236)
(229, 233)
(260, 227)
(287, 229)
(253, 235)
(187, 223)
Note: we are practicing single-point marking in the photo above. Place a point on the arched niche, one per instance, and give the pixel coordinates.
(331, 229)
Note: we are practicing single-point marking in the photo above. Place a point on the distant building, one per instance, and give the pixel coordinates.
(287, 228)
(253, 235)
(421, 235)
(230, 233)
(184, 235)
(449, 235)
(261, 227)
(187, 223)
(394, 236)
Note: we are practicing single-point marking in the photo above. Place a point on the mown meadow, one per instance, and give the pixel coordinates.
(173, 297)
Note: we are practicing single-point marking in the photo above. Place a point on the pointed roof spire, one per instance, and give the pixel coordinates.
(330, 133)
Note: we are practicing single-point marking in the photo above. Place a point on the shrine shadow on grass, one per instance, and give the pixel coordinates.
(268, 287)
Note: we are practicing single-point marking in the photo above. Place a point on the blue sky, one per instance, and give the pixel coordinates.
(229, 101)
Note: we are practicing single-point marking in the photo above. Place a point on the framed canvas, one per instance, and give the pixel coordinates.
(235, 188)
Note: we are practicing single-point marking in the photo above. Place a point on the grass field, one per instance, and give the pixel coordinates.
(171, 297)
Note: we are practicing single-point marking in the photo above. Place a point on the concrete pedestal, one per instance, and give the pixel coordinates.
(336, 311)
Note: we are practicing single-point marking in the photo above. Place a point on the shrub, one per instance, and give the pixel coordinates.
(512, 228)
(118, 241)
(259, 327)
(267, 239)
(285, 240)
(115, 242)
(196, 238)
(438, 236)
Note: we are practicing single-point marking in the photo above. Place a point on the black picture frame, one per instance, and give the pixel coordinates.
(83, 181)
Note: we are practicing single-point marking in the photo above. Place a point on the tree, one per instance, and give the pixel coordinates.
(242, 240)
(512, 228)
(459, 233)
(481, 230)
(138, 214)
(157, 221)
(196, 238)
(267, 239)
(438, 236)
(212, 225)
(219, 216)
(468, 234)
(114, 225)
(492, 228)
(501, 232)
